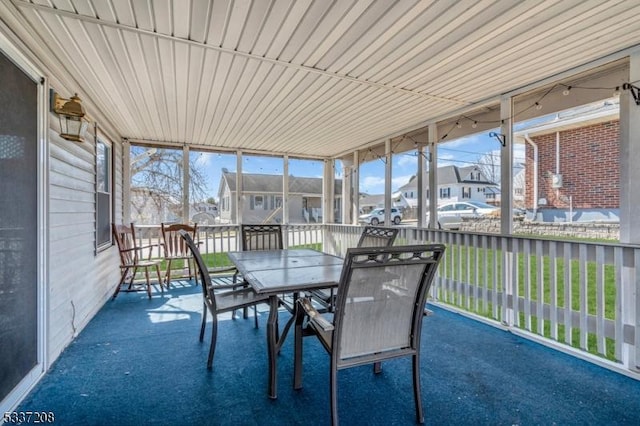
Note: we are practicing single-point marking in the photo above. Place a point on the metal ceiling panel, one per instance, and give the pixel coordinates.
(309, 77)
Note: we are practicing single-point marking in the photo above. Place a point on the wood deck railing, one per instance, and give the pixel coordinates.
(578, 297)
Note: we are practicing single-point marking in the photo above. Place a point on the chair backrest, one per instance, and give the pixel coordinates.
(380, 303)
(377, 236)
(261, 237)
(207, 288)
(174, 246)
(125, 236)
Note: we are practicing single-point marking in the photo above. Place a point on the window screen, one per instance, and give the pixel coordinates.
(18, 226)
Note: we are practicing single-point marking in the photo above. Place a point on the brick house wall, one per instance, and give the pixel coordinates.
(589, 158)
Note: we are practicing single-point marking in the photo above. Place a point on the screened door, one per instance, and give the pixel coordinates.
(18, 226)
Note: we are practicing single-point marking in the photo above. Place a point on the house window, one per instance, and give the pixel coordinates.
(257, 202)
(466, 192)
(445, 193)
(103, 194)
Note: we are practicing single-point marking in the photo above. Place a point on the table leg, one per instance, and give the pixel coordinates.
(272, 346)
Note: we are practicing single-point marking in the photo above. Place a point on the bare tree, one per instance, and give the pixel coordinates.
(519, 189)
(489, 165)
(157, 174)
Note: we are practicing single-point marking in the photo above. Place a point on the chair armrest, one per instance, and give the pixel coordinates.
(225, 281)
(314, 316)
(149, 246)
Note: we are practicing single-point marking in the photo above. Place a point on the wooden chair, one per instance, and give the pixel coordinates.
(132, 258)
(218, 302)
(372, 236)
(175, 248)
(378, 313)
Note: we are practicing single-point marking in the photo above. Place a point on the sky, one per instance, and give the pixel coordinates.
(460, 152)
(477, 149)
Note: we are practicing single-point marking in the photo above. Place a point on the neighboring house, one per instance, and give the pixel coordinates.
(493, 193)
(148, 207)
(520, 188)
(454, 184)
(262, 198)
(571, 166)
(203, 213)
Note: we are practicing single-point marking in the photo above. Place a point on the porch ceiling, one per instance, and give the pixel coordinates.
(309, 78)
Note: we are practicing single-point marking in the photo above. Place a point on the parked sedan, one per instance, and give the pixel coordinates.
(450, 215)
(376, 216)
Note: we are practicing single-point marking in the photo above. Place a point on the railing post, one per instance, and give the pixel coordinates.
(509, 281)
(630, 305)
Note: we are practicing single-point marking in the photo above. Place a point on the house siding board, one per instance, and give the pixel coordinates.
(65, 219)
(588, 165)
(72, 235)
(71, 206)
(63, 181)
(76, 155)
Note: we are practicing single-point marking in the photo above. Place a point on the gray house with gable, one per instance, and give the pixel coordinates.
(262, 198)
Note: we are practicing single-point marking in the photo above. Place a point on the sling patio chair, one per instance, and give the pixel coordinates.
(253, 237)
(132, 258)
(264, 237)
(216, 301)
(372, 236)
(378, 313)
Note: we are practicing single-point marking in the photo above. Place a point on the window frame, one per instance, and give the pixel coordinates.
(257, 202)
(103, 141)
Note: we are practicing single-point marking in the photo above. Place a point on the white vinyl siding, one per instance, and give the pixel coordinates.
(80, 281)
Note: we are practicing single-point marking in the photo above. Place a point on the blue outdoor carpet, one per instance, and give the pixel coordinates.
(139, 362)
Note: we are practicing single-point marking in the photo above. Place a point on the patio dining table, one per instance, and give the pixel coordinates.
(277, 272)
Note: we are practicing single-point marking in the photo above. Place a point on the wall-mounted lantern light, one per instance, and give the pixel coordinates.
(70, 113)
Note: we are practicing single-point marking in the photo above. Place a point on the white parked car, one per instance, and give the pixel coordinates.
(376, 216)
(450, 215)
